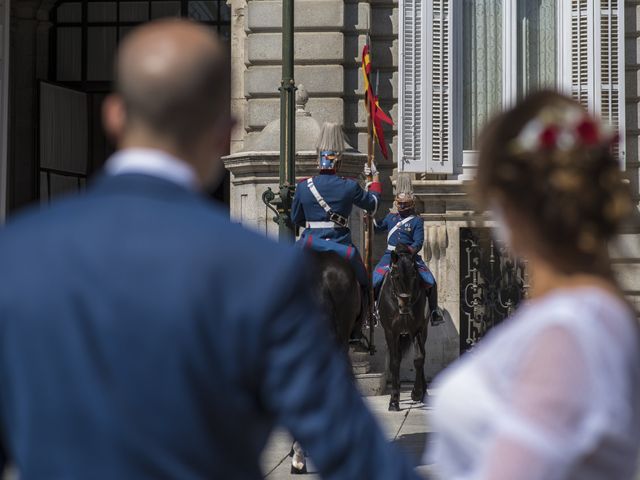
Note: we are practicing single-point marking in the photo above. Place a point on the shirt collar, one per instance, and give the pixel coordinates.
(155, 163)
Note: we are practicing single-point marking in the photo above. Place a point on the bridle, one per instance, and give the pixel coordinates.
(415, 295)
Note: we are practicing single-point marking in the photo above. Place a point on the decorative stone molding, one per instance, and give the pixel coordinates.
(256, 168)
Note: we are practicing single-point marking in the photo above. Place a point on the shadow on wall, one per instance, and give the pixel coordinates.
(442, 347)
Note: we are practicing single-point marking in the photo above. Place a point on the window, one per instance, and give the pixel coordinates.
(461, 61)
(494, 73)
(85, 34)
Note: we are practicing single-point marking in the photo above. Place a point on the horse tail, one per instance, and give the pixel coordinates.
(404, 343)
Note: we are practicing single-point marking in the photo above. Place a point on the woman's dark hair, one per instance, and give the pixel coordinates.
(573, 199)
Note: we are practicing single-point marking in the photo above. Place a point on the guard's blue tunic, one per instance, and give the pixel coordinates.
(341, 194)
(410, 234)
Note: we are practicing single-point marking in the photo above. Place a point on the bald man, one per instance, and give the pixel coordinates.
(142, 335)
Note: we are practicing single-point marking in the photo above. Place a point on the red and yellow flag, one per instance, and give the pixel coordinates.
(373, 105)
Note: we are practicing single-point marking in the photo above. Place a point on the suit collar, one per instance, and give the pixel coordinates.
(139, 184)
(155, 163)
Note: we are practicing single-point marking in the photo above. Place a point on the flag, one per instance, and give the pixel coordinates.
(372, 103)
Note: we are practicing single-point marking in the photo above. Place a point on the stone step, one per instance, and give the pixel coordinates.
(371, 384)
(357, 357)
(360, 368)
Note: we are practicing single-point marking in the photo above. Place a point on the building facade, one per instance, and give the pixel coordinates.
(441, 68)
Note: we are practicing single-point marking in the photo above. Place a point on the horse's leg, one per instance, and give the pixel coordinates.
(298, 460)
(420, 385)
(395, 357)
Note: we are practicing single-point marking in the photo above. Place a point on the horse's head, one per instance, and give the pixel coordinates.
(404, 277)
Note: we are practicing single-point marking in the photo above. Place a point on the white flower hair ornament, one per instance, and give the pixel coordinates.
(564, 130)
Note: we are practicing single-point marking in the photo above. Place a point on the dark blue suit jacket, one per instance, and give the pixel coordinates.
(143, 336)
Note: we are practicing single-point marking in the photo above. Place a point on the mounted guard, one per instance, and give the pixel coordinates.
(404, 226)
(322, 204)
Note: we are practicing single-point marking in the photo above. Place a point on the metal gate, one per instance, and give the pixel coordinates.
(492, 284)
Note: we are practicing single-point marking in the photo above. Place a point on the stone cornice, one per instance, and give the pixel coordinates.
(263, 167)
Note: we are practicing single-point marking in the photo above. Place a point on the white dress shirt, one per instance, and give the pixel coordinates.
(551, 394)
(155, 163)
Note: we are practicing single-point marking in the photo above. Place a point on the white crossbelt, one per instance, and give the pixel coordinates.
(318, 197)
(321, 225)
(340, 220)
(395, 229)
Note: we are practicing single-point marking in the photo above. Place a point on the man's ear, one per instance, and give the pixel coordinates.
(394, 257)
(114, 117)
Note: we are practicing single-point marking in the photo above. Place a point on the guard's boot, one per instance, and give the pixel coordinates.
(436, 316)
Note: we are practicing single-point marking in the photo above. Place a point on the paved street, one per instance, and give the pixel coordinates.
(409, 428)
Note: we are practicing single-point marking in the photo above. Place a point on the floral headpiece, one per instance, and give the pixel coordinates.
(562, 129)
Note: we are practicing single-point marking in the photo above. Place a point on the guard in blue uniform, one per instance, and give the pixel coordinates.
(323, 204)
(406, 227)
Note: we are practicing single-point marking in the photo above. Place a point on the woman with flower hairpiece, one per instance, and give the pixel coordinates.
(554, 391)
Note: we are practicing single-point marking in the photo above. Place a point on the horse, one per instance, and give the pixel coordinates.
(402, 312)
(340, 295)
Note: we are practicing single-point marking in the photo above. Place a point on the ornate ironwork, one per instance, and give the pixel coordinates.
(492, 284)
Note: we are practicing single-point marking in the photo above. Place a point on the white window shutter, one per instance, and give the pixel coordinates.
(439, 87)
(426, 86)
(597, 60)
(610, 101)
(411, 76)
(581, 52)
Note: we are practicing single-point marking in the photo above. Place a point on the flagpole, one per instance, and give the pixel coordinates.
(368, 222)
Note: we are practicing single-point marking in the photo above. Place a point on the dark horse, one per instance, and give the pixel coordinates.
(340, 295)
(403, 316)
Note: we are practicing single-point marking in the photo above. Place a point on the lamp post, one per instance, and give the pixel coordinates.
(280, 203)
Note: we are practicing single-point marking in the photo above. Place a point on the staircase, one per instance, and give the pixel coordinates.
(369, 383)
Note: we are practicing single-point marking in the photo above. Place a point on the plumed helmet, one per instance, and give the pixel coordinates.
(330, 146)
(405, 201)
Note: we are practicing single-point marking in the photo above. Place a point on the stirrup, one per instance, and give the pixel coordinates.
(436, 318)
(375, 317)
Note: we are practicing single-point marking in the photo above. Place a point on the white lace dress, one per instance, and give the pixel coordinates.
(552, 393)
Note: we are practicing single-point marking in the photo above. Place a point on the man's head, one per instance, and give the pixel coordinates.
(172, 94)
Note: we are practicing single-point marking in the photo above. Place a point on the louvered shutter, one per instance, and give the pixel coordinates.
(426, 86)
(411, 73)
(440, 87)
(581, 86)
(610, 84)
(597, 60)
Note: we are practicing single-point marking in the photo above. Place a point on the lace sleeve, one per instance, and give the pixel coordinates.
(543, 430)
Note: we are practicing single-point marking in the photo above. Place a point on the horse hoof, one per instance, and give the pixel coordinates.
(416, 396)
(299, 471)
(394, 406)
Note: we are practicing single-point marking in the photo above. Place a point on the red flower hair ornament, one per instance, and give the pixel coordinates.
(562, 129)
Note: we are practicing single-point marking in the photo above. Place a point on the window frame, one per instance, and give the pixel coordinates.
(589, 84)
(510, 59)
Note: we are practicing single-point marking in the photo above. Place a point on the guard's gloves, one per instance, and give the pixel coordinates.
(370, 171)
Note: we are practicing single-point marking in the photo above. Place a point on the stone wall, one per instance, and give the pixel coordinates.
(627, 250)
(329, 38)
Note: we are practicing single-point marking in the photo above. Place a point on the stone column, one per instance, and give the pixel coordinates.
(238, 70)
(319, 59)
